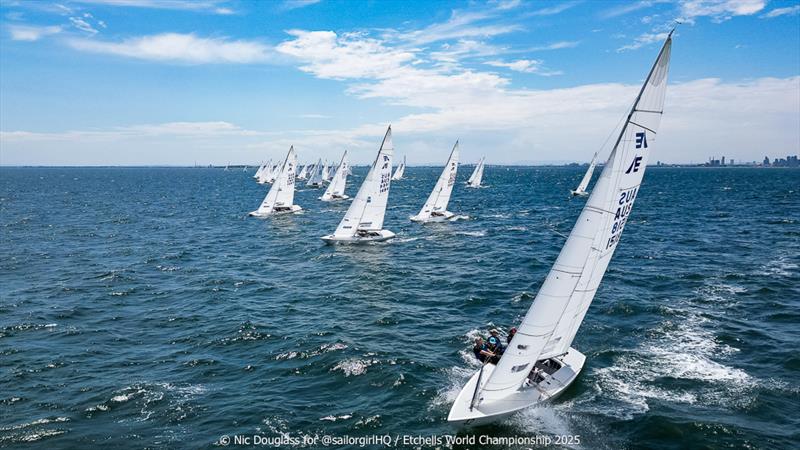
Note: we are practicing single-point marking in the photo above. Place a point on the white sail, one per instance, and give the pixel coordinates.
(440, 196)
(281, 195)
(561, 303)
(325, 171)
(477, 174)
(367, 210)
(258, 171)
(401, 169)
(587, 177)
(315, 177)
(339, 181)
(266, 174)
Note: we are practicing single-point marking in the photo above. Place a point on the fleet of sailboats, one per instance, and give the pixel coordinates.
(363, 221)
(280, 197)
(540, 362)
(335, 190)
(435, 208)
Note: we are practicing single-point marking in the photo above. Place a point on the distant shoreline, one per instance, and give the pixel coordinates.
(565, 166)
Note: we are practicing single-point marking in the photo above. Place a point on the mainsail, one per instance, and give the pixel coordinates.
(315, 178)
(282, 191)
(587, 177)
(398, 173)
(369, 206)
(477, 174)
(440, 196)
(557, 311)
(339, 180)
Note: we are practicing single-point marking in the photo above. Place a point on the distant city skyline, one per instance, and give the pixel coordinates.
(165, 82)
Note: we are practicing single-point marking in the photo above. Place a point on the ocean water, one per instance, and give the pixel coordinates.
(140, 307)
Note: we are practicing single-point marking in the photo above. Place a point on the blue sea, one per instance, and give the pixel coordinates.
(142, 308)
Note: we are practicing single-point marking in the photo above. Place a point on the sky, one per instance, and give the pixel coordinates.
(168, 82)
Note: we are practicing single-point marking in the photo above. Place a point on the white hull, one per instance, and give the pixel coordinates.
(485, 412)
(374, 236)
(579, 193)
(315, 185)
(334, 198)
(291, 209)
(447, 215)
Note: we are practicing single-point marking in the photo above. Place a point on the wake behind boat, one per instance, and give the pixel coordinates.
(540, 362)
(280, 197)
(435, 208)
(363, 221)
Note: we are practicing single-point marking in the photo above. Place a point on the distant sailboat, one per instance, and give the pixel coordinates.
(477, 175)
(301, 173)
(435, 208)
(363, 221)
(280, 197)
(325, 172)
(260, 169)
(581, 189)
(539, 364)
(401, 169)
(315, 177)
(266, 174)
(335, 190)
(245, 168)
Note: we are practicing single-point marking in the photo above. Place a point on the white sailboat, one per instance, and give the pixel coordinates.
(581, 189)
(325, 172)
(540, 363)
(258, 171)
(435, 208)
(335, 190)
(265, 174)
(301, 173)
(401, 169)
(280, 197)
(477, 175)
(315, 177)
(363, 221)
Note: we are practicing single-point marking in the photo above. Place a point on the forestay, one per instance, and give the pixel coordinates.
(440, 196)
(282, 191)
(367, 210)
(339, 180)
(560, 305)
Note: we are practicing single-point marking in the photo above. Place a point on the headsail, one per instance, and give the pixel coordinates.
(339, 180)
(561, 303)
(587, 177)
(440, 196)
(282, 191)
(369, 206)
(477, 174)
(401, 169)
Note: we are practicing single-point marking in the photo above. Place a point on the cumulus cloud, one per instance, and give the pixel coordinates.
(180, 48)
(31, 33)
(719, 10)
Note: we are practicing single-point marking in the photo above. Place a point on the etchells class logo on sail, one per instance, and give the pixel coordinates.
(641, 142)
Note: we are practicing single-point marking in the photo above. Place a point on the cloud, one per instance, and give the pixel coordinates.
(556, 46)
(179, 48)
(626, 8)
(552, 10)
(719, 10)
(328, 55)
(214, 6)
(788, 11)
(83, 25)
(295, 4)
(644, 39)
(31, 33)
(525, 66)
(460, 25)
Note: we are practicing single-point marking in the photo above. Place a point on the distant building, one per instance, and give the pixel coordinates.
(766, 161)
(723, 160)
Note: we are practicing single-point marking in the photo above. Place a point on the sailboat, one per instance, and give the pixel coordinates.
(280, 197)
(363, 221)
(259, 171)
(401, 169)
(335, 190)
(325, 172)
(315, 177)
(477, 175)
(540, 362)
(435, 208)
(265, 174)
(581, 189)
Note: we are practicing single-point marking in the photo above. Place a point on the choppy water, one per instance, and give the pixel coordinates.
(141, 308)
